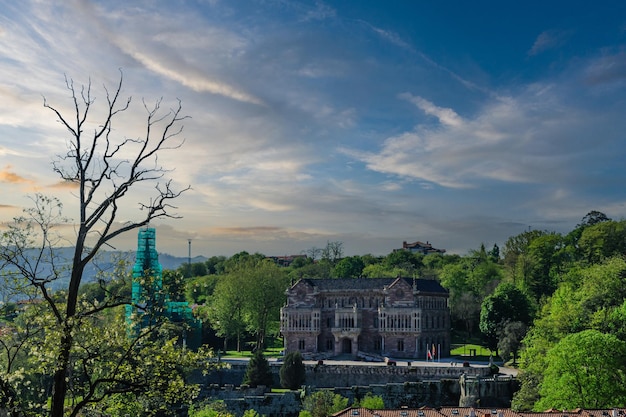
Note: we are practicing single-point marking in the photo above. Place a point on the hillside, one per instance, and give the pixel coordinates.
(102, 264)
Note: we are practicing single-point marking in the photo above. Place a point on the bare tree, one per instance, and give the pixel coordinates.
(333, 252)
(106, 170)
(313, 252)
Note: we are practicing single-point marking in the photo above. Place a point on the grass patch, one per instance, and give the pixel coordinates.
(471, 352)
(280, 390)
(270, 352)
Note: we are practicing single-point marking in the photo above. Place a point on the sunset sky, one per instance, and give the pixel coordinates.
(365, 122)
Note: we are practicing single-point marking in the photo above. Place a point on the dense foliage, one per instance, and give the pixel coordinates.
(292, 371)
(258, 371)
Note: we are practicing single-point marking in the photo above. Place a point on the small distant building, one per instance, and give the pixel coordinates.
(149, 302)
(393, 317)
(421, 247)
(286, 260)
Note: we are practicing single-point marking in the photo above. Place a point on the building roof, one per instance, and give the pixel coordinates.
(339, 284)
(418, 246)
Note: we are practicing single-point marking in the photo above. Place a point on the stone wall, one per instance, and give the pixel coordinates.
(495, 391)
(490, 392)
(331, 376)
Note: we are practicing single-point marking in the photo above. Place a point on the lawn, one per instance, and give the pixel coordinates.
(269, 352)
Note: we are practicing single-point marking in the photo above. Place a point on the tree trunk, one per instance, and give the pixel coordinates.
(59, 388)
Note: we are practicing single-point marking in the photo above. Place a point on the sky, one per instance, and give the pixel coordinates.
(364, 122)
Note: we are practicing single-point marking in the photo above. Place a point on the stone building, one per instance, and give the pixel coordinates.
(392, 317)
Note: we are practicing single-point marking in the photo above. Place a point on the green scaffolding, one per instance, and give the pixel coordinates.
(149, 299)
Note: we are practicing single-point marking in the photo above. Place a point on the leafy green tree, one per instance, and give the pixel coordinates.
(544, 259)
(589, 297)
(510, 341)
(525, 398)
(383, 271)
(104, 168)
(292, 371)
(212, 409)
(405, 260)
(301, 261)
(258, 371)
(350, 267)
(585, 370)
(319, 269)
(507, 303)
(198, 290)
(514, 254)
(225, 311)
(593, 217)
(174, 285)
(215, 265)
(324, 403)
(494, 253)
(247, 297)
(602, 240)
(371, 402)
(262, 284)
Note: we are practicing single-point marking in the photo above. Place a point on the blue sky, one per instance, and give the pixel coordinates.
(365, 122)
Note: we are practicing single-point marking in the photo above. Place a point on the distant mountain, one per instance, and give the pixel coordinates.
(104, 262)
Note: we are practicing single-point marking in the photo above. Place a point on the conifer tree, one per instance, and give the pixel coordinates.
(258, 371)
(292, 372)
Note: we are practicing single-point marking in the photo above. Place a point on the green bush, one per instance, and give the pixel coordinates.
(324, 403)
(292, 372)
(258, 371)
(371, 402)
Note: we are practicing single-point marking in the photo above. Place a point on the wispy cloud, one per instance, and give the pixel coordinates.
(321, 11)
(508, 141)
(445, 116)
(9, 176)
(549, 39)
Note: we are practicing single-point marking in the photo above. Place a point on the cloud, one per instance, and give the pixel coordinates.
(547, 40)
(64, 185)
(7, 175)
(446, 116)
(534, 138)
(322, 11)
(607, 69)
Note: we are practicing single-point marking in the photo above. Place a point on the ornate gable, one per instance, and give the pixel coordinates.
(399, 292)
(301, 294)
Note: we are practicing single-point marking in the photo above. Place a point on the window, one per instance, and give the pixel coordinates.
(329, 322)
(378, 344)
(330, 344)
(301, 344)
(401, 345)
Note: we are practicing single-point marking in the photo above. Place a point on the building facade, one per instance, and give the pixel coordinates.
(421, 247)
(391, 317)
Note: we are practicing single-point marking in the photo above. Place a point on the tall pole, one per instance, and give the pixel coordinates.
(189, 255)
